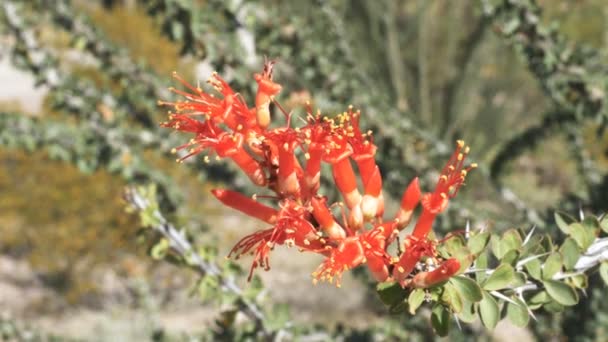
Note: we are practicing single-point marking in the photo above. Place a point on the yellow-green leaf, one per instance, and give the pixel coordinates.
(467, 287)
(604, 272)
(563, 221)
(511, 240)
(415, 299)
(570, 253)
(502, 277)
(478, 242)
(517, 313)
(534, 268)
(604, 224)
(561, 292)
(467, 314)
(552, 265)
(452, 298)
(582, 235)
(488, 311)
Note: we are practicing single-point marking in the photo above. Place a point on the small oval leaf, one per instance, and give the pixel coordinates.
(604, 272)
(478, 242)
(570, 253)
(467, 288)
(440, 320)
(561, 292)
(452, 298)
(552, 265)
(488, 311)
(390, 293)
(582, 235)
(467, 314)
(502, 277)
(415, 299)
(534, 268)
(517, 313)
(604, 224)
(563, 221)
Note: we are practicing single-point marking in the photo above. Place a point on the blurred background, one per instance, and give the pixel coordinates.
(523, 82)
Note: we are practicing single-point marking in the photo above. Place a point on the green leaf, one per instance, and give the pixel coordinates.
(397, 308)
(496, 247)
(478, 242)
(452, 298)
(488, 311)
(415, 299)
(592, 224)
(553, 307)
(534, 268)
(440, 320)
(465, 258)
(454, 244)
(502, 277)
(547, 243)
(579, 281)
(538, 300)
(604, 224)
(467, 287)
(510, 257)
(390, 293)
(582, 235)
(563, 221)
(561, 292)
(159, 250)
(207, 288)
(604, 272)
(511, 26)
(481, 263)
(517, 313)
(534, 246)
(552, 265)
(511, 240)
(519, 280)
(467, 314)
(570, 253)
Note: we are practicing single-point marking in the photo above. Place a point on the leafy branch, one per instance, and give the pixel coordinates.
(142, 200)
(510, 275)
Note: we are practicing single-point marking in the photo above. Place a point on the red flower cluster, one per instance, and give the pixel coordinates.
(287, 160)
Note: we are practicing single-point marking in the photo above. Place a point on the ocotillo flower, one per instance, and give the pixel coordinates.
(287, 161)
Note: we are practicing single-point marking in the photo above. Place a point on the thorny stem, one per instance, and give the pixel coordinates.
(593, 256)
(180, 244)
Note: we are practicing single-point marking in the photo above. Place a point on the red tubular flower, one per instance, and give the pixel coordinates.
(230, 110)
(409, 201)
(353, 251)
(267, 89)
(414, 250)
(232, 146)
(284, 141)
(364, 151)
(346, 182)
(315, 136)
(292, 227)
(347, 255)
(372, 203)
(325, 219)
(442, 273)
(374, 245)
(451, 179)
(246, 205)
